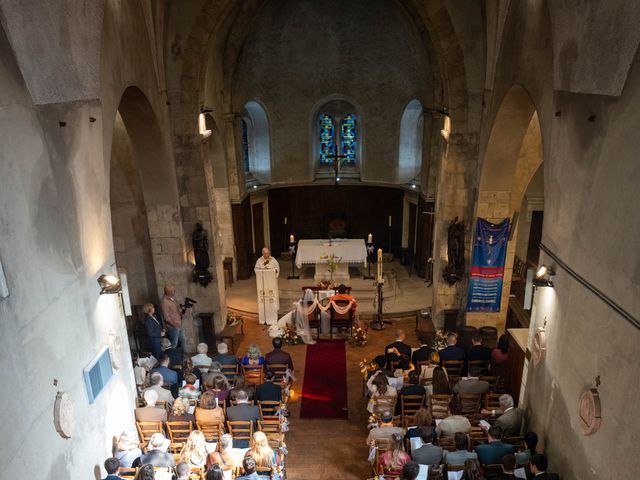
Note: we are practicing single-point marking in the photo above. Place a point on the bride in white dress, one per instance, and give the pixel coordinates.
(298, 315)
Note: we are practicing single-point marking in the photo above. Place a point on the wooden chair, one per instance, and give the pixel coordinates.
(163, 473)
(212, 431)
(196, 473)
(263, 471)
(453, 367)
(314, 320)
(470, 403)
(229, 371)
(176, 448)
(492, 471)
(447, 443)
(491, 380)
(268, 409)
(146, 429)
(235, 402)
(162, 404)
(482, 365)
(241, 430)
(253, 374)
(517, 442)
(339, 320)
(203, 368)
(442, 403)
(409, 405)
(128, 472)
(383, 403)
(179, 431)
(279, 370)
(269, 426)
(492, 401)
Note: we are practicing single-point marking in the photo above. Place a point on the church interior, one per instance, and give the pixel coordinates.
(436, 158)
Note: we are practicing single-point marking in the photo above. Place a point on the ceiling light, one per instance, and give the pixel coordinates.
(543, 277)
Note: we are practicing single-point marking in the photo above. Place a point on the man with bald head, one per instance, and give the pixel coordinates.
(172, 316)
(267, 271)
(267, 262)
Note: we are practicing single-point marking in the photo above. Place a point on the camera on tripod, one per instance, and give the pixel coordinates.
(188, 303)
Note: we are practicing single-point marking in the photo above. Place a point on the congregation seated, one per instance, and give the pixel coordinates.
(428, 453)
(493, 451)
(268, 391)
(187, 369)
(156, 382)
(478, 351)
(343, 295)
(150, 413)
(194, 453)
(510, 419)
(223, 357)
(157, 454)
(263, 454)
(455, 422)
(384, 429)
(398, 353)
(190, 389)
(508, 467)
(472, 384)
(410, 471)
(243, 411)
(112, 466)
(208, 409)
(413, 388)
(421, 419)
(180, 411)
(538, 466)
(531, 441)
(378, 386)
(423, 353)
(226, 456)
(127, 449)
(395, 458)
(499, 356)
(249, 467)
(440, 382)
(218, 385)
(472, 470)
(451, 351)
(253, 356)
(202, 359)
(461, 453)
(278, 356)
(169, 377)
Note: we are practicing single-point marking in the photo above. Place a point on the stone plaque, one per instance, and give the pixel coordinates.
(590, 411)
(64, 417)
(539, 346)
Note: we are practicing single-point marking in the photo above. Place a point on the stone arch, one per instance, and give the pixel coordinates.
(410, 141)
(259, 135)
(513, 155)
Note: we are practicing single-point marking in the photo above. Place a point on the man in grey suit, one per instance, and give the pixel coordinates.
(428, 453)
(510, 419)
(472, 384)
(243, 412)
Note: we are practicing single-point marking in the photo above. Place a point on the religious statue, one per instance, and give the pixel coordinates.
(200, 242)
(454, 270)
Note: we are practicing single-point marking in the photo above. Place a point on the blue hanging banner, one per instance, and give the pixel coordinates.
(487, 266)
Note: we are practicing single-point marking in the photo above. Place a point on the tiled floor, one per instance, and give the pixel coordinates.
(331, 449)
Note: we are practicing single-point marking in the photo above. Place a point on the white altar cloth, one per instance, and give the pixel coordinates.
(348, 250)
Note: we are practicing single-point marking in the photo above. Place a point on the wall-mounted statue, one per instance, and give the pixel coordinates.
(454, 271)
(200, 241)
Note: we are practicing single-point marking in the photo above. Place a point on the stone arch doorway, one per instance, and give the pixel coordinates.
(511, 186)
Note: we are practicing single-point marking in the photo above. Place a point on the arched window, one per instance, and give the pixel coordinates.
(410, 148)
(337, 134)
(255, 141)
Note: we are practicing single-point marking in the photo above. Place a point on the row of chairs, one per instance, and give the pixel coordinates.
(197, 473)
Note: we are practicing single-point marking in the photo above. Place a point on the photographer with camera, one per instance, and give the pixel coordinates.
(172, 316)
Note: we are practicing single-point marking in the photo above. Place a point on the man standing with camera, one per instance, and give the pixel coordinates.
(172, 316)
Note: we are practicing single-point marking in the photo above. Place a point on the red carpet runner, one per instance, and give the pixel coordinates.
(324, 390)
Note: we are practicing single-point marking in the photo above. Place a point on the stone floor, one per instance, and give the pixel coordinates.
(329, 448)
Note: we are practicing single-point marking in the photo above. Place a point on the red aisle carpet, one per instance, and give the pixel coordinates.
(324, 390)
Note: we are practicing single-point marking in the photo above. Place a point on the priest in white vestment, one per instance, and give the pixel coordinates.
(267, 271)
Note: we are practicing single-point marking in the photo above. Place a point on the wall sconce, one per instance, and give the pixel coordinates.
(543, 277)
(109, 284)
(202, 121)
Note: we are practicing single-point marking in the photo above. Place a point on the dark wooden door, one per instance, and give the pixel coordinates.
(258, 227)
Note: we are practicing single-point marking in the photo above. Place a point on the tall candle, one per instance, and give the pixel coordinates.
(389, 220)
(370, 239)
(291, 239)
(285, 220)
(379, 265)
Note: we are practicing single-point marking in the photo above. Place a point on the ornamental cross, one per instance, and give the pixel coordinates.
(337, 159)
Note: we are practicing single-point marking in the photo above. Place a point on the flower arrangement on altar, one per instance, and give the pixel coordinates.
(332, 263)
(233, 320)
(367, 367)
(440, 340)
(290, 336)
(326, 285)
(358, 336)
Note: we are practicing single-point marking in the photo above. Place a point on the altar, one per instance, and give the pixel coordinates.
(346, 251)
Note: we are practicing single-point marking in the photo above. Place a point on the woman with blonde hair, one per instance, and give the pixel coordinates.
(253, 356)
(194, 451)
(394, 459)
(263, 454)
(127, 449)
(208, 411)
(180, 411)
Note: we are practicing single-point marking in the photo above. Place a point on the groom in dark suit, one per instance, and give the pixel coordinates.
(398, 351)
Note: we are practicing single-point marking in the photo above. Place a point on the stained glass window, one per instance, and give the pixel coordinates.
(327, 133)
(348, 138)
(245, 146)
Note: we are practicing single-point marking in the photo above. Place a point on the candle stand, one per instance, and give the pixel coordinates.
(292, 251)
